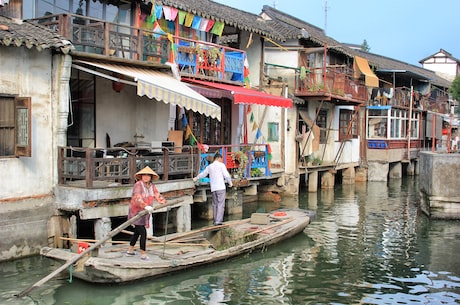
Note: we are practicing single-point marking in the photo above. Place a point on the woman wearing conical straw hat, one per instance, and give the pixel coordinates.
(145, 193)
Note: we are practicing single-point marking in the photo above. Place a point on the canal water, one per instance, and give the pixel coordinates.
(369, 244)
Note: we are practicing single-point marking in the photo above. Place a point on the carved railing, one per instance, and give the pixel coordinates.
(118, 165)
(96, 167)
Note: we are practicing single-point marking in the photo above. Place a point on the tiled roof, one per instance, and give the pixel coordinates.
(382, 63)
(19, 33)
(230, 16)
(291, 27)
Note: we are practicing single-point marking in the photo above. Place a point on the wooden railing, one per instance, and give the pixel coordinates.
(437, 100)
(119, 165)
(334, 81)
(95, 167)
(194, 58)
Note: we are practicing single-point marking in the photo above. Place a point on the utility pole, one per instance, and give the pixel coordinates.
(274, 4)
(325, 16)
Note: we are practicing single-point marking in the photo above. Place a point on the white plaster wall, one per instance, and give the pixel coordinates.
(27, 73)
(254, 55)
(124, 114)
(449, 67)
(282, 58)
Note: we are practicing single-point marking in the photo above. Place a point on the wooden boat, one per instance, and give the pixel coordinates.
(178, 251)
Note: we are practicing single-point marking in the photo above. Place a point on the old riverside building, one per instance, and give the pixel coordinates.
(93, 91)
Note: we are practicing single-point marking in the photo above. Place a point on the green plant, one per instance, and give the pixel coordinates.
(241, 158)
(256, 172)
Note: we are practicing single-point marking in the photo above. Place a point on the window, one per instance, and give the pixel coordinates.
(273, 132)
(321, 121)
(377, 118)
(348, 128)
(15, 126)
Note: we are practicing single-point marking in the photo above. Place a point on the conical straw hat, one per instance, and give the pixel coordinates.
(147, 171)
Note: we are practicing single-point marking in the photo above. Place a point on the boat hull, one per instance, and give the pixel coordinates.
(115, 267)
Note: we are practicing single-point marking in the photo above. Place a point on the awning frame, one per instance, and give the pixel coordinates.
(156, 85)
(241, 95)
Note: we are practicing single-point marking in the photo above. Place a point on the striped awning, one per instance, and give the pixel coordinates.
(161, 87)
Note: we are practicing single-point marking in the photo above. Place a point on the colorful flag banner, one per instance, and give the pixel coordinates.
(158, 11)
(189, 19)
(182, 15)
(210, 25)
(251, 119)
(196, 22)
(204, 24)
(246, 73)
(258, 133)
(218, 28)
(254, 126)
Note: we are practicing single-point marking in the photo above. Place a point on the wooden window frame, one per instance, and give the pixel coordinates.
(345, 117)
(22, 139)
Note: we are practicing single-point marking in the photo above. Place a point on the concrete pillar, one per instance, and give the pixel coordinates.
(410, 170)
(313, 182)
(348, 176)
(395, 170)
(377, 171)
(184, 218)
(102, 227)
(361, 174)
(234, 203)
(327, 180)
(251, 190)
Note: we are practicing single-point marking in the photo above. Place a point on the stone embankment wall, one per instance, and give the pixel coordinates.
(440, 185)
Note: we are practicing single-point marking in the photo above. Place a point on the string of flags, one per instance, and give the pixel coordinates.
(151, 15)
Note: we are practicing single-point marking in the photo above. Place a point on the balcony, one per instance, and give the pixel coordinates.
(96, 168)
(195, 59)
(436, 101)
(333, 82)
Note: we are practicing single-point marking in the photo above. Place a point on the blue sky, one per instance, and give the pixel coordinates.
(406, 30)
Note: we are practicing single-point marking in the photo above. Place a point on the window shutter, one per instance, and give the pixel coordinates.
(22, 128)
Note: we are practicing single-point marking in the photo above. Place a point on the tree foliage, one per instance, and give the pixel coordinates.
(455, 89)
(365, 46)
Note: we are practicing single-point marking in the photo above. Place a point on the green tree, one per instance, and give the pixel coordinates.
(455, 89)
(365, 46)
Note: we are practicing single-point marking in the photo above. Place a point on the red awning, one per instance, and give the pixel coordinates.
(241, 95)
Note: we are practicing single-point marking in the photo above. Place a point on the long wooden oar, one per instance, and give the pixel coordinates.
(94, 246)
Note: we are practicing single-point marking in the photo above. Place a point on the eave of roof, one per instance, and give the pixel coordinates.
(228, 15)
(18, 33)
(293, 28)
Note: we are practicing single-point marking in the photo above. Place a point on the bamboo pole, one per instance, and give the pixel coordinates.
(94, 246)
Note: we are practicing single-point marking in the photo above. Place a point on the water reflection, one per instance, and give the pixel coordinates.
(369, 244)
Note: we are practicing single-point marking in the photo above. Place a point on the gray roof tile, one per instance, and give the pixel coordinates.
(17, 33)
